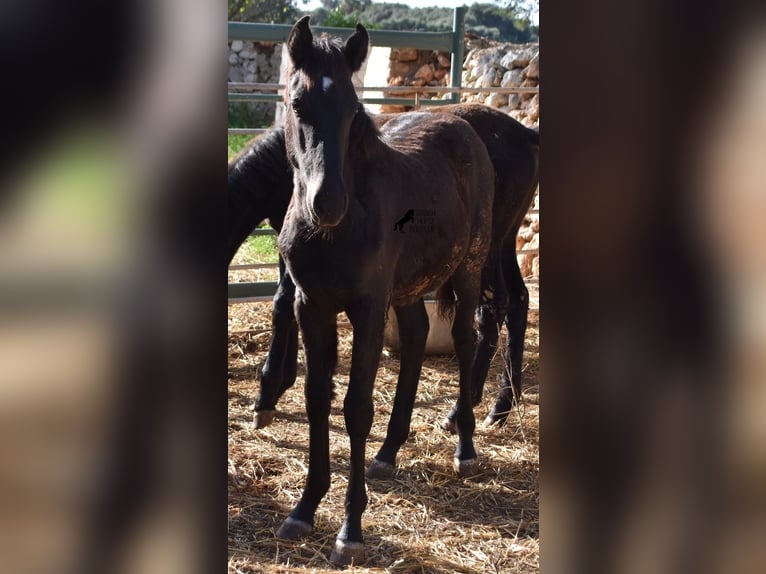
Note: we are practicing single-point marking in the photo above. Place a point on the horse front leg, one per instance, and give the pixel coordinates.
(279, 370)
(367, 317)
(413, 326)
(320, 340)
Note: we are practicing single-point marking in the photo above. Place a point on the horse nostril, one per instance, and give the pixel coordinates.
(329, 206)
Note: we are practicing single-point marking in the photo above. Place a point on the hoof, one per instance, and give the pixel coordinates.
(293, 529)
(264, 418)
(345, 553)
(494, 419)
(380, 469)
(449, 426)
(467, 467)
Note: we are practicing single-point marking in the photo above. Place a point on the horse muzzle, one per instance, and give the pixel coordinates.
(328, 205)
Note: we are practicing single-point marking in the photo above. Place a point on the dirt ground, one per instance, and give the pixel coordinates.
(425, 518)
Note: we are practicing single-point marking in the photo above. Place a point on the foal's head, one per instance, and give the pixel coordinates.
(321, 104)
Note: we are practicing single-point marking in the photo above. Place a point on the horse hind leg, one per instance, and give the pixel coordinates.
(516, 324)
(490, 316)
(413, 333)
(466, 285)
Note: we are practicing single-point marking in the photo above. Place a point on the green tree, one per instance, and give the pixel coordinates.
(522, 9)
(340, 19)
(346, 6)
(277, 11)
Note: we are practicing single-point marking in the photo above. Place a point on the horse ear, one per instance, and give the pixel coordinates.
(299, 41)
(356, 48)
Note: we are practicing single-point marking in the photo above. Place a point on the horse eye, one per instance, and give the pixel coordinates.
(297, 107)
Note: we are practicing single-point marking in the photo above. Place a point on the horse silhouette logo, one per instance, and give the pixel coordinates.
(409, 216)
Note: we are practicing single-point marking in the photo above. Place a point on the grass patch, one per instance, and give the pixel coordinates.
(260, 249)
(236, 143)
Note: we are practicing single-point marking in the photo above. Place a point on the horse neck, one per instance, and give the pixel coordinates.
(260, 185)
(364, 143)
(260, 180)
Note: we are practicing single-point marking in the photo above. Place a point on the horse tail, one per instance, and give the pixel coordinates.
(446, 301)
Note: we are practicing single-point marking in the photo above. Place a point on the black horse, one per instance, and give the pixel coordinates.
(260, 186)
(514, 151)
(350, 183)
(260, 183)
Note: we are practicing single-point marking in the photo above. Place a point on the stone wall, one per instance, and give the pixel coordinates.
(529, 238)
(411, 67)
(489, 64)
(256, 62)
(505, 66)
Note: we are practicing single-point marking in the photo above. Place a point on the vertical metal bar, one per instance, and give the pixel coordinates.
(458, 48)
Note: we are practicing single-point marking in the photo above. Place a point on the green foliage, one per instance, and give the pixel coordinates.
(276, 11)
(246, 115)
(260, 249)
(505, 20)
(340, 19)
(236, 143)
(499, 23)
(509, 23)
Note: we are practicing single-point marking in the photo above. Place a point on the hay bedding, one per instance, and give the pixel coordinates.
(424, 519)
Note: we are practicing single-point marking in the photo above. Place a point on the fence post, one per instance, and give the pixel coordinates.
(456, 69)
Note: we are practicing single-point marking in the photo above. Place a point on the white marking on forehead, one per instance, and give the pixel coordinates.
(326, 83)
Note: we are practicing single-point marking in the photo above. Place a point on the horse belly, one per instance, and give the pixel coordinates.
(421, 271)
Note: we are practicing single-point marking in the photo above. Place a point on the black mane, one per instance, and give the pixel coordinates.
(261, 163)
(260, 184)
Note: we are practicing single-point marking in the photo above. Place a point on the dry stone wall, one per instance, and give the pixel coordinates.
(419, 68)
(505, 65)
(257, 62)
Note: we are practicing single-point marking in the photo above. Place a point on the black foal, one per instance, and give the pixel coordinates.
(351, 184)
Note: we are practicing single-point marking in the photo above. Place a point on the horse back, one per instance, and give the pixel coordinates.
(443, 144)
(442, 164)
(514, 151)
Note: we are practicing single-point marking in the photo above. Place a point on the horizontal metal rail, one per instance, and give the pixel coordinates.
(366, 100)
(265, 291)
(244, 96)
(263, 231)
(262, 290)
(247, 131)
(252, 87)
(244, 266)
(441, 41)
